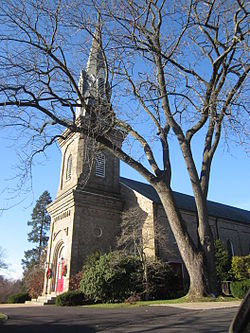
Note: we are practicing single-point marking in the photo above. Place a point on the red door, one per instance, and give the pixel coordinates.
(59, 280)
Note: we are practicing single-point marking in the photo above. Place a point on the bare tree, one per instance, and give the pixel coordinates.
(139, 237)
(3, 264)
(178, 67)
(8, 288)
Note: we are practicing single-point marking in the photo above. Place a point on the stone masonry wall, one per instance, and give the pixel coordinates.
(96, 225)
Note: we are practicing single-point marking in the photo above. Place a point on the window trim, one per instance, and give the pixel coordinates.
(230, 248)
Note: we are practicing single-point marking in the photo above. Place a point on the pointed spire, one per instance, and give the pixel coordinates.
(96, 60)
(91, 82)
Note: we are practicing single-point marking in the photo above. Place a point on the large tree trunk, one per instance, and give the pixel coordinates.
(198, 260)
(208, 251)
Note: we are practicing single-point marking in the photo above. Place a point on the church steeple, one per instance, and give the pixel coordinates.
(96, 64)
(92, 81)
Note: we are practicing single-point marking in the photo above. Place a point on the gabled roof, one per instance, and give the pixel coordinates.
(186, 202)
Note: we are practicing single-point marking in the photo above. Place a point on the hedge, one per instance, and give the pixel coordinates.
(239, 289)
(19, 298)
(70, 298)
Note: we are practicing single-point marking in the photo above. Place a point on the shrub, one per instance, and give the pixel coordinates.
(19, 298)
(241, 268)
(161, 281)
(74, 282)
(133, 299)
(70, 298)
(111, 278)
(239, 289)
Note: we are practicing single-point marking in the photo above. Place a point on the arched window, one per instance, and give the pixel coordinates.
(69, 167)
(230, 248)
(100, 165)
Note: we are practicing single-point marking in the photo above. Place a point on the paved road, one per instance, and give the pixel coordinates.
(157, 319)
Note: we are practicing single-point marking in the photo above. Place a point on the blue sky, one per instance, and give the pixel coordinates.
(230, 184)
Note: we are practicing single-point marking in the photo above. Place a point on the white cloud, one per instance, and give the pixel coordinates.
(12, 273)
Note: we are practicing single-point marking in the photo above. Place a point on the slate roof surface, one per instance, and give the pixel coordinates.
(186, 202)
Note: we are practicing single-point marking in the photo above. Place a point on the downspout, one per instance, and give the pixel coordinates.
(216, 227)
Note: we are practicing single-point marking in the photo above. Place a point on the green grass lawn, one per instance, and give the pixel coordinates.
(170, 301)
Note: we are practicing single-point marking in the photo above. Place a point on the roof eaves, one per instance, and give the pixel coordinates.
(186, 202)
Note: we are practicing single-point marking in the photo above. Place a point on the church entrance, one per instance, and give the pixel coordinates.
(60, 270)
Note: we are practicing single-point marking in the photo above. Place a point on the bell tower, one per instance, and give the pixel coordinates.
(85, 216)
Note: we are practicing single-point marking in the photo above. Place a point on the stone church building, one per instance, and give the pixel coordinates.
(86, 219)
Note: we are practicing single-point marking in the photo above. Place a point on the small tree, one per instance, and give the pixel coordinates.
(33, 280)
(223, 262)
(40, 223)
(138, 238)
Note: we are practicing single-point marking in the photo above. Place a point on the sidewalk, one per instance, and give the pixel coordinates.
(203, 305)
(15, 305)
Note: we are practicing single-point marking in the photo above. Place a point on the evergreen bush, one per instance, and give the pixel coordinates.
(239, 289)
(223, 262)
(111, 278)
(241, 268)
(19, 298)
(70, 298)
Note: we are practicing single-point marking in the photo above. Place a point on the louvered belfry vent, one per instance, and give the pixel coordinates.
(100, 165)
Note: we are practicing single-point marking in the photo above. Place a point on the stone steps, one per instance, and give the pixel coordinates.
(43, 300)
